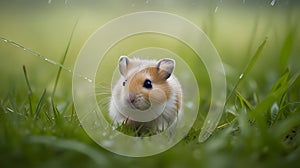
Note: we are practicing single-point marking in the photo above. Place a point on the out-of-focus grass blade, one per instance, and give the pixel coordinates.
(29, 90)
(287, 49)
(244, 102)
(98, 157)
(248, 67)
(286, 125)
(275, 94)
(63, 60)
(40, 104)
(204, 135)
(253, 33)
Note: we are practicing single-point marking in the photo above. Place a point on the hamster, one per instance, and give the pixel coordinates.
(147, 96)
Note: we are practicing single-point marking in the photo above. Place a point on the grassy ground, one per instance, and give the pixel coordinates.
(261, 122)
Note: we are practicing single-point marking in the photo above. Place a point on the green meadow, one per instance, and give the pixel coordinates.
(258, 43)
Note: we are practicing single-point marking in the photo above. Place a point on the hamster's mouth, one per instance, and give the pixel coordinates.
(139, 105)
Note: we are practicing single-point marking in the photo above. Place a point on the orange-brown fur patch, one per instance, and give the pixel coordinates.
(136, 81)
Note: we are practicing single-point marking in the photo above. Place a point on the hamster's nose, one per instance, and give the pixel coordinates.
(131, 98)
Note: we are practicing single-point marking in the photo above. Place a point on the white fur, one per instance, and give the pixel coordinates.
(119, 103)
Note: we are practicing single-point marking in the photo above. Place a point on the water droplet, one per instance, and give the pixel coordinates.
(88, 79)
(274, 111)
(5, 40)
(241, 76)
(190, 105)
(273, 2)
(49, 1)
(208, 122)
(52, 62)
(10, 110)
(216, 9)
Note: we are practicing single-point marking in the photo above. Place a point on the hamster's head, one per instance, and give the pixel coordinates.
(145, 82)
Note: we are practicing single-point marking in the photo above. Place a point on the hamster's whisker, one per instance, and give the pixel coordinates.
(103, 103)
(102, 86)
(104, 100)
(102, 93)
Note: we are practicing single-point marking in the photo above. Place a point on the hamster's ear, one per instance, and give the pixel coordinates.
(123, 65)
(165, 68)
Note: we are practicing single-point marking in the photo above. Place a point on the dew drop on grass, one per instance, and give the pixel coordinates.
(10, 110)
(273, 2)
(274, 111)
(51, 61)
(88, 79)
(216, 9)
(241, 76)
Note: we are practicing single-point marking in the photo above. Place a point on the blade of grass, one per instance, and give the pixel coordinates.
(54, 108)
(244, 102)
(73, 113)
(63, 61)
(284, 103)
(39, 105)
(245, 73)
(253, 33)
(275, 94)
(55, 112)
(248, 67)
(286, 125)
(29, 90)
(287, 48)
(34, 53)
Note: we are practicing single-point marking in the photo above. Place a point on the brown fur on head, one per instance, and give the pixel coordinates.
(147, 83)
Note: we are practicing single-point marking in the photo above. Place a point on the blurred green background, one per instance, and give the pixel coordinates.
(235, 27)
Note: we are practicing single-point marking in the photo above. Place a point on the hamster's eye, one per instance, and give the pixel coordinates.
(147, 84)
(124, 83)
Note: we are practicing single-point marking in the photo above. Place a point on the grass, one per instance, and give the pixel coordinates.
(260, 126)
